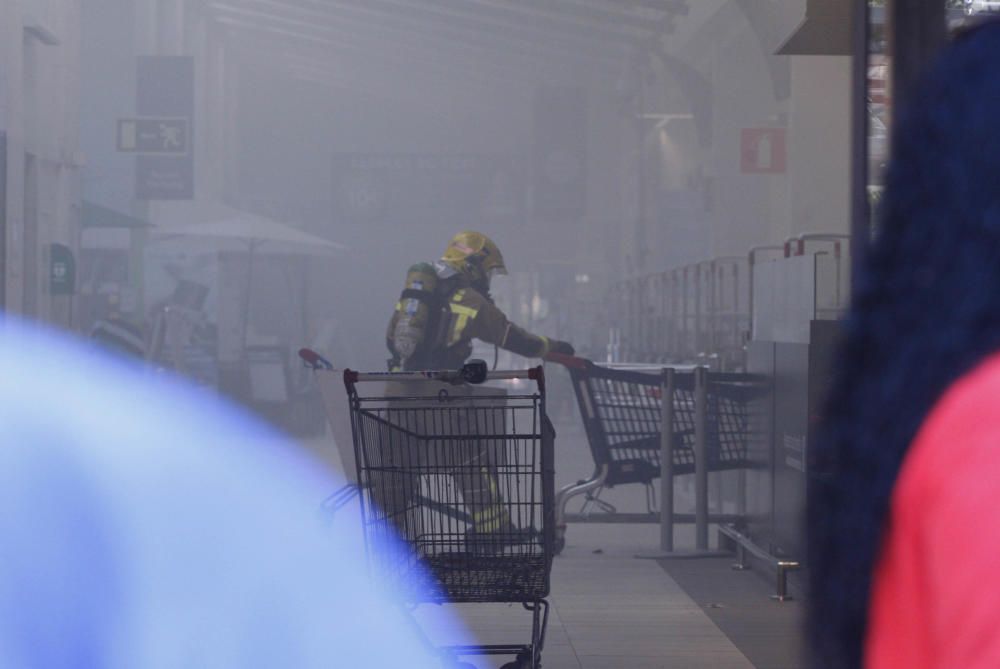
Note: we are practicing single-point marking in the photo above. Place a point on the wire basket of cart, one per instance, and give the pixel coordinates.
(624, 413)
(460, 466)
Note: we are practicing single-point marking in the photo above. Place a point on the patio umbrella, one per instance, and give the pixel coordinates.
(252, 233)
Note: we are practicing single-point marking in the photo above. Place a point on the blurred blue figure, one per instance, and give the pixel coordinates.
(146, 526)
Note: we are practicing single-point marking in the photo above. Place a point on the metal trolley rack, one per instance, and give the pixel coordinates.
(467, 480)
(634, 435)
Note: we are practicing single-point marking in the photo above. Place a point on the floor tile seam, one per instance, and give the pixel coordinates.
(569, 640)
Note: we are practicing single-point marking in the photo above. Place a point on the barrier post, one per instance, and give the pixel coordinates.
(701, 458)
(668, 387)
(667, 460)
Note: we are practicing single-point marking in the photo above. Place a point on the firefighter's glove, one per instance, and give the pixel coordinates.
(563, 347)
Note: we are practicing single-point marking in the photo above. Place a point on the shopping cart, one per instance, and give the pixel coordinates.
(464, 474)
(622, 410)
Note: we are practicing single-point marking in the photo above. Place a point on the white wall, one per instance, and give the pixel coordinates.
(39, 106)
(820, 153)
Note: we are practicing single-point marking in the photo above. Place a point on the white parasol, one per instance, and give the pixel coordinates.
(253, 234)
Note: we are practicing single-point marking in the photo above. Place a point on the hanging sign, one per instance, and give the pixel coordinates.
(763, 151)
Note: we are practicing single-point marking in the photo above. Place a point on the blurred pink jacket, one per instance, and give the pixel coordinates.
(936, 590)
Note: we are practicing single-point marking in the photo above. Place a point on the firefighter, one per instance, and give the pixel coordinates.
(447, 304)
(443, 307)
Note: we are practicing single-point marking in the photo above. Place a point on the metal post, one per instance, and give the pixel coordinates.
(741, 558)
(641, 250)
(713, 309)
(741, 492)
(781, 586)
(698, 339)
(668, 385)
(737, 334)
(701, 458)
(667, 461)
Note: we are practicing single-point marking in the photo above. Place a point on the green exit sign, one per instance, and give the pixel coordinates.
(166, 136)
(62, 270)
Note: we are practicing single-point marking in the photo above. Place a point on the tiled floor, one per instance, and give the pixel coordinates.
(609, 609)
(769, 633)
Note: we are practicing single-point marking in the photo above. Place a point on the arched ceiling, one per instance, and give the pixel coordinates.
(493, 42)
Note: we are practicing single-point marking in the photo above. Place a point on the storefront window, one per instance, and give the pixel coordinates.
(973, 7)
(878, 98)
(879, 92)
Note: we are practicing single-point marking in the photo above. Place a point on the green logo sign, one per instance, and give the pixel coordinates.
(62, 270)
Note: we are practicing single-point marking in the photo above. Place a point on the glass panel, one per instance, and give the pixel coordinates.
(973, 7)
(879, 103)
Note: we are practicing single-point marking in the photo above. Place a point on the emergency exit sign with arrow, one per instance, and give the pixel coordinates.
(165, 136)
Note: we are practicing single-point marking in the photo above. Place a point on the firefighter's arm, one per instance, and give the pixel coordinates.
(491, 325)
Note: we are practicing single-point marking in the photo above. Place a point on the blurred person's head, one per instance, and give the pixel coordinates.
(926, 309)
(147, 525)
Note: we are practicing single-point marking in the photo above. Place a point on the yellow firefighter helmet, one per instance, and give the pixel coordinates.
(475, 255)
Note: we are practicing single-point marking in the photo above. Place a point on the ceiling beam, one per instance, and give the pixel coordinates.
(672, 7)
(344, 83)
(586, 14)
(405, 56)
(428, 22)
(403, 65)
(469, 16)
(442, 36)
(384, 76)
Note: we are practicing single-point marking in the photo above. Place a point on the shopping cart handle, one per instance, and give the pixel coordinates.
(571, 361)
(314, 360)
(474, 371)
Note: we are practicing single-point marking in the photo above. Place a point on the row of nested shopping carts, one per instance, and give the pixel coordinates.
(464, 472)
(703, 312)
(647, 421)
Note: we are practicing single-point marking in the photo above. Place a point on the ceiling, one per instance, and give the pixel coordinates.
(480, 42)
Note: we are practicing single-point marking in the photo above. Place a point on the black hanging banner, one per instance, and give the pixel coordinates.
(165, 90)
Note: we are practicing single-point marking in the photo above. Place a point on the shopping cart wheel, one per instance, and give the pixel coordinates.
(523, 661)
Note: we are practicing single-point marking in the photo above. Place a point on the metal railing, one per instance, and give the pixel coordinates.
(697, 313)
(702, 313)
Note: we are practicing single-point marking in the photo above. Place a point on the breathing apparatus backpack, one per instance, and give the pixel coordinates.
(416, 316)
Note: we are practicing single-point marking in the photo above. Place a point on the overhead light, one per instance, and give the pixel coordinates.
(664, 119)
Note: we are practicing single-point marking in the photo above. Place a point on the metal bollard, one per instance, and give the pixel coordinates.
(783, 567)
(667, 419)
(701, 458)
(667, 460)
(741, 558)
